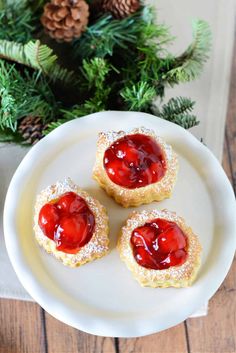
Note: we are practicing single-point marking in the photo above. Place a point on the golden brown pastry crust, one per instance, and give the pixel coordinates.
(175, 276)
(97, 246)
(135, 197)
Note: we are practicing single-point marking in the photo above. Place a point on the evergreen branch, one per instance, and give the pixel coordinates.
(189, 65)
(152, 35)
(22, 95)
(139, 96)
(177, 106)
(95, 104)
(17, 22)
(90, 106)
(77, 111)
(55, 124)
(95, 72)
(36, 6)
(185, 120)
(101, 37)
(8, 136)
(37, 56)
(107, 33)
(123, 64)
(178, 110)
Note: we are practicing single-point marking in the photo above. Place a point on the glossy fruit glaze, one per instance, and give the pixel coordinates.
(68, 221)
(134, 161)
(159, 244)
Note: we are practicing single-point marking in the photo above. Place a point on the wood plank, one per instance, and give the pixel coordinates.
(21, 329)
(231, 121)
(215, 333)
(226, 162)
(169, 341)
(62, 338)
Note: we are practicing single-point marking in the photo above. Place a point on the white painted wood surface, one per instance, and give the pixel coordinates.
(210, 91)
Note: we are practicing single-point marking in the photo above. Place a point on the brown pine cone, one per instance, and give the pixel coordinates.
(65, 20)
(31, 129)
(120, 8)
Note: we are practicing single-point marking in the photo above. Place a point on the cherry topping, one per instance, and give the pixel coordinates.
(70, 203)
(159, 244)
(68, 221)
(49, 219)
(134, 161)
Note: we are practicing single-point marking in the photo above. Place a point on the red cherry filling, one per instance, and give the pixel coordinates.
(49, 219)
(68, 221)
(134, 161)
(159, 244)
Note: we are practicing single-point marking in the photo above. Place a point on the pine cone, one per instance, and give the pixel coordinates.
(64, 20)
(31, 129)
(120, 8)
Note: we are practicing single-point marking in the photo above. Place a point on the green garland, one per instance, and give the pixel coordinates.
(116, 64)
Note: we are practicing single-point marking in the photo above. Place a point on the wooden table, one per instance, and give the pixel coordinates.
(26, 328)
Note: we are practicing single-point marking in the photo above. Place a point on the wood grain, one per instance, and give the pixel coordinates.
(64, 339)
(21, 328)
(215, 333)
(231, 122)
(169, 341)
(226, 162)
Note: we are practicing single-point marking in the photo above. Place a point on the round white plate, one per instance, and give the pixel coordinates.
(101, 297)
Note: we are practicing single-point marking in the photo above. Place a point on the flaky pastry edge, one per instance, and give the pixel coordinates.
(144, 195)
(98, 245)
(175, 276)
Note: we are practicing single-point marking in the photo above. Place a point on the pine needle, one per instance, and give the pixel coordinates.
(55, 124)
(37, 56)
(189, 65)
(102, 37)
(17, 22)
(139, 96)
(22, 95)
(95, 72)
(177, 106)
(119, 64)
(178, 110)
(8, 136)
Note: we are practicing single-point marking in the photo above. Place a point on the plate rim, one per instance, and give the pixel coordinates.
(33, 287)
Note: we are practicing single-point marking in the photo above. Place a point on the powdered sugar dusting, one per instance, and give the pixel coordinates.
(178, 276)
(98, 244)
(135, 197)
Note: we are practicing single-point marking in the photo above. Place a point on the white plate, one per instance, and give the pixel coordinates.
(102, 297)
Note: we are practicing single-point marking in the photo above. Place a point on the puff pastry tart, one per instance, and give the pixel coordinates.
(70, 224)
(160, 249)
(135, 168)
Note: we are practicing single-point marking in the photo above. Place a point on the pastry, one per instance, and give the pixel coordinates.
(71, 224)
(160, 249)
(135, 168)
